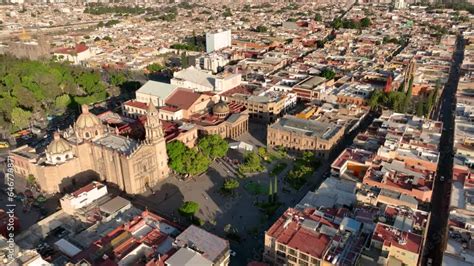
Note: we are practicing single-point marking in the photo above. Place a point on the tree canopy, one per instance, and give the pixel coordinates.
(155, 67)
(328, 73)
(213, 146)
(231, 184)
(252, 163)
(184, 160)
(30, 87)
(189, 208)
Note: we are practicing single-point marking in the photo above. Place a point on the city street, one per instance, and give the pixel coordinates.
(437, 229)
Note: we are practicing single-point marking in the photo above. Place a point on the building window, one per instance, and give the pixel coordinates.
(303, 256)
(281, 254)
(292, 251)
(291, 258)
(87, 135)
(281, 247)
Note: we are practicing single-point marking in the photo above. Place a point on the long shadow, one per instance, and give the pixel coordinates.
(165, 200)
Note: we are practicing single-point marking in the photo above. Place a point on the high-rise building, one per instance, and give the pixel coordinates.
(218, 40)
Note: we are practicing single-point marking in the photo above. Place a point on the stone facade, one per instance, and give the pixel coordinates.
(92, 149)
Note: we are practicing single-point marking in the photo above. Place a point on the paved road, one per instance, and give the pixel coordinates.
(437, 233)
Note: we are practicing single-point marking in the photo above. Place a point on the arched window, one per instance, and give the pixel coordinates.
(58, 158)
(97, 132)
(87, 135)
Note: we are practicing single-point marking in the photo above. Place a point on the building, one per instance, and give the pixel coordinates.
(310, 88)
(75, 55)
(156, 92)
(211, 247)
(83, 197)
(26, 47)
(201, 81)
(149, 238)
(307, 237)
(214, 62)
(301, 134)
(226, 120)
(93, 149)
(398, 247)
(261, 105)
(218, 40)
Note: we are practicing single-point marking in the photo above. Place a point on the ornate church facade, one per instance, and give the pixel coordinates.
(90, 146)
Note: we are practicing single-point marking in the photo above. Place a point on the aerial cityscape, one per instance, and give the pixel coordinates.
(258, 133)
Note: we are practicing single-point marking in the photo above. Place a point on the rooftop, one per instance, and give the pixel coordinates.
(389, 236)
(306, 127)
(119, 143)
(288, 230)
(158, 89)
(210, 246)
(182, 98)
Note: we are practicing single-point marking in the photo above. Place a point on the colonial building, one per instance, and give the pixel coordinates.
(301, 134)
(94, 149)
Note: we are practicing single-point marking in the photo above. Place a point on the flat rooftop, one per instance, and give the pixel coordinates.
(306, 127)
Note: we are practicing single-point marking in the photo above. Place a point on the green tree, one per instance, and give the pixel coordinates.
(196, 162)
(213, 146)
(365, 22)
(275, 188)
(31, 179)
(261, 28)
(184, 60)
(176, 151)
(20, 118)
(231, 184)
(184, 160)
(318, 17)
(155, 67)
(189, 208)
(117, 79)
(336, 23)
(328, 73)
(62, 102)
(270, 192)
(420, 108)
(227, 13)
(252, 163)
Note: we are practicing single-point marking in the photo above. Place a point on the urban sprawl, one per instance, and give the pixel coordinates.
(236, 133)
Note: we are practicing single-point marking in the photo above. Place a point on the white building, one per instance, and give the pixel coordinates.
(83, 197)
(218, 40)
(201, 81)
(75, 55)
(154, 91)
(213, 62)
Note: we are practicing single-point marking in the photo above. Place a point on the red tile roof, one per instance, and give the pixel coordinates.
(79, 48)
(288, 230)
(242, 89)
(389, 236)
(136, 104)
(182, 98)
(86, 188)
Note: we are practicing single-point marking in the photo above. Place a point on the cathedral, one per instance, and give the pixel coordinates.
(91, 147)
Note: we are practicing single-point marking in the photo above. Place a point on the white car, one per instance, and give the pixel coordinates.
(441, 178)
(232, 253)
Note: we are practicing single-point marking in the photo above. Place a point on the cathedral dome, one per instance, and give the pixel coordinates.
(221, 109)
(58, 145)
(87, 119)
